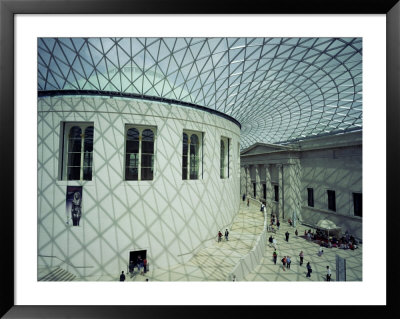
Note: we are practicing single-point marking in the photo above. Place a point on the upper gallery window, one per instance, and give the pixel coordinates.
(310, 192)
(357, 201)
(331, 200)
(224, 157)
(77, 151)
(139, 153)
(192, 154)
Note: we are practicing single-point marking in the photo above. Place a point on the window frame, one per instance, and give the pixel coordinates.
(199, 155)
(140, 128)
(66, 127)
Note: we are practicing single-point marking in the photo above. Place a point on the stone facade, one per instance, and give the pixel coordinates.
(321, 164)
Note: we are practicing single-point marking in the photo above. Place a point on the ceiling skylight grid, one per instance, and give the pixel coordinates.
(279, 89)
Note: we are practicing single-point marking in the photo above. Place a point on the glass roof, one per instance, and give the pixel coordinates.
(279, 89)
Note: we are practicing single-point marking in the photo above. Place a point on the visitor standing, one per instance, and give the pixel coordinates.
(145, 265)
(309, 270)
(122, 276)
(131, 267)
(321, 251)
(287, 236)
(274, 243)
(288, 261)
(328, 273)
(275, 256)
(283, 263)
(139, 264)
(248, 202)
(219, 236)
(244, 197)
(296, 233)
(301, 255)
(226, 234)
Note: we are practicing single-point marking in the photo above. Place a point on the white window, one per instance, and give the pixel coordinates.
(77, 151)
(139, 153)
(224, 157)
(192, 163)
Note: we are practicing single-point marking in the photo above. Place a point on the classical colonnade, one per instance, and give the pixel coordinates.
(281, 178)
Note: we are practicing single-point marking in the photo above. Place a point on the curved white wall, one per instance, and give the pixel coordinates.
(168, 216)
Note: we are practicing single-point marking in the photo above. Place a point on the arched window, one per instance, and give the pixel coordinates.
(147, 155)
(185, 147)
(74, 153)
(194, 157)
(191, 155)
(77, 158)
(139, 153)
(88, 153)
(132, 154)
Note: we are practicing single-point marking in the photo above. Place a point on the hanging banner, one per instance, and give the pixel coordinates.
(74, 204)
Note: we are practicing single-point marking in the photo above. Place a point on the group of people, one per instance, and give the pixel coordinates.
(287, 260)
(220, 235)
(345, 242)
(141, 265)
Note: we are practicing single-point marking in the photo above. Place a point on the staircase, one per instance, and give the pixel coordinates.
(57, 274)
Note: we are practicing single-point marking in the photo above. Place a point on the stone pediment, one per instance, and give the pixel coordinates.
(262, 148)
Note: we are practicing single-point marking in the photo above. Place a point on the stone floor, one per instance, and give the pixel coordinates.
(214, 263)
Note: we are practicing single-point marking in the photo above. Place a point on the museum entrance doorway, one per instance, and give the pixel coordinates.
(134, 254)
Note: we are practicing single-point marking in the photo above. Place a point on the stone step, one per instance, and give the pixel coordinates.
(58, 274)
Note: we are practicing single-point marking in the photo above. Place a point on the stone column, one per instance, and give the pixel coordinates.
(249, 185)
(262, 173)
(269, 189)
(280, 213)
(258, 181)
(292, 189)
(242, 181)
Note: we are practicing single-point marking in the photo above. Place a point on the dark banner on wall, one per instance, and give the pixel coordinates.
(74, 204)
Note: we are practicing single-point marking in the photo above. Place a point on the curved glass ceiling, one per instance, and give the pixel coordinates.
(279, 89)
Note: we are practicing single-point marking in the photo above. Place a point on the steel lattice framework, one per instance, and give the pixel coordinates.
(279, 89)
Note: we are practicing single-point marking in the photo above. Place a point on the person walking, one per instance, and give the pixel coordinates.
(328, 273)
(296, 233)
(219, 236)
(226, 234)
(122, 276)
(145, 265)
(275, 256)
(248, 202)
(288, 261)
(131, 267)
(287, 236)
(244, 197)
(301, 255)
(309, 270)
(284, 263)
(278, 223)
(274, 243)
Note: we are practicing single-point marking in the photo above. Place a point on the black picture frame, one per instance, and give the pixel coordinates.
(8, 10)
